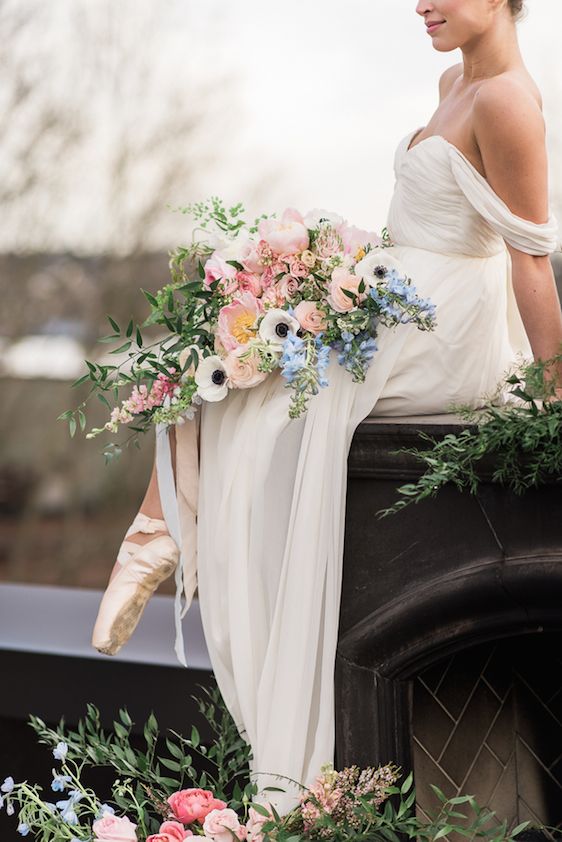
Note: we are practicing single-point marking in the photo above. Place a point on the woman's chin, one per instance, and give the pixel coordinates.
(442, 45)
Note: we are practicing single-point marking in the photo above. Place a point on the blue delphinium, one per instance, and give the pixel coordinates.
(304, 363)
(60, 751)
(293, 358)
(355, 353)
(399, 302)
(23, 828)
(66, 807)
(59, 782)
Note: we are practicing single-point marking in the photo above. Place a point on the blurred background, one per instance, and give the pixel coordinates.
(115, 113)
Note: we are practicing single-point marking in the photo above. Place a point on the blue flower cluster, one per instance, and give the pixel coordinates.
(356, 352)
(397, 294)
(295, 359)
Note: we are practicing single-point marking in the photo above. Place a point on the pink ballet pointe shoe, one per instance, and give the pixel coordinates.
(143, 568)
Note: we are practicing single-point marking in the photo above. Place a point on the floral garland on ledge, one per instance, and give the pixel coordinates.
(158, 796)
(518, 429)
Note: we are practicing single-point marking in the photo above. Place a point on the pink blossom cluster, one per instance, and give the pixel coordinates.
(142, 399)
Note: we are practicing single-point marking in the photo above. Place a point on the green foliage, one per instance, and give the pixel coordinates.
(522, 439)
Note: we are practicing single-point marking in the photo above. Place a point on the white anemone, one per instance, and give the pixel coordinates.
(211, 379)
(313, 217)
(276, 326)
(375, 264)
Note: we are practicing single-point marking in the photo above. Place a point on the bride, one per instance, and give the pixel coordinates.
(470, 222)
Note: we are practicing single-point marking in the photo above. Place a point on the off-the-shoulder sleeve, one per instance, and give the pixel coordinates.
(531, 237)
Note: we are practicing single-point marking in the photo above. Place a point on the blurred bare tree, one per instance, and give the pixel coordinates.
(106, 114)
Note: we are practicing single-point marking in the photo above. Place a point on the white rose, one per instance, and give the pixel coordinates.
(374, 266)
(276, 326)
(212, 379)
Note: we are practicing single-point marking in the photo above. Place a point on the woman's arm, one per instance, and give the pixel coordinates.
(509, 129)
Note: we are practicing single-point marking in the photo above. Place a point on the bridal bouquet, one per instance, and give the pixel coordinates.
(246, 301)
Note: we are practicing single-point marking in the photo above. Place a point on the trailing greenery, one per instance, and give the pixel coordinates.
(351, 805)
(522, 438)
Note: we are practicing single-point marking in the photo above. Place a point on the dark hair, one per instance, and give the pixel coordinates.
(517, 7)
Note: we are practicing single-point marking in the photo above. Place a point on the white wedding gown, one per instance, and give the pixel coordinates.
(271, 499)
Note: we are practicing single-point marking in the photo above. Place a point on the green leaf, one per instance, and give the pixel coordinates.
(72, 427)
(407, 783)
(80, 380)
(438, 793)
(259, 808)
(129, 331)
(139, 338)
(201, 270)
(150, 298)
(519, 828)
(104, 400)
(121, 348)
(82, 420)
(443, 832)
(114, 325)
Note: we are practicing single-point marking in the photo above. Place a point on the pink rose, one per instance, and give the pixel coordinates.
(170, 832)
(287, 286)
(337, 299)
(242, 369)
(115, 829)
(217, 269)
(217, 822)
(255, 823)
(236, 322)
(249, 282)
(190, 805)
(287, 236)
(298, 268)
(310, 317)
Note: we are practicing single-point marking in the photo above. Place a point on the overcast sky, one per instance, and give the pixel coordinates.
(322, 92)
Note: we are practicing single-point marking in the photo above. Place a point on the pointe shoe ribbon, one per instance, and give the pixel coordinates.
(127, 594)
(141, 523)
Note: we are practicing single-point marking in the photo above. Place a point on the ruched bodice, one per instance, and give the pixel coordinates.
(442, 203)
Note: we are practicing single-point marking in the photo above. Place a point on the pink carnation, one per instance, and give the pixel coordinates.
(190, 805)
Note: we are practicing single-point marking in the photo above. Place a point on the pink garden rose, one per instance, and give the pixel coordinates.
(236, 322)
(249, 282)
(115, 829)
(287, 286)
(286, 236)
(344, 279)
(243, 373)
(310, 317)
(190, 805)
(217, 269)
(254, 825)
(170, 832)
(217, 822)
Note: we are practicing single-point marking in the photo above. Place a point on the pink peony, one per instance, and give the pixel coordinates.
(236, 322)
(218, 822)
(190, 805)
(249, 282)
(355, 239)
(115, 829)
(217, 269)
(337, 299)
(242, 369)
(310, 317)
(170, 832)
(287, 236)
(250, 258)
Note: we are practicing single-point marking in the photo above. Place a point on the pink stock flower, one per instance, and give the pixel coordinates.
(170, 832)
(237, 321)
(310, 317)
(337, 299)
(219, 823)
(190, 805)
(242, 369)
(217, 269)
(286, 236)
(249, 282)
(114, 829)
(273, 296)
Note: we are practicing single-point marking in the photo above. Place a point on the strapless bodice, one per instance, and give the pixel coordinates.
(442, 203)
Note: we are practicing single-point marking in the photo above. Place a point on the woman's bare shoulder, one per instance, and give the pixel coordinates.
(448, 77)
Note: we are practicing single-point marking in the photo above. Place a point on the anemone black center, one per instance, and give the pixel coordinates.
(282, 329)
(380, 271)
(218, 377)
